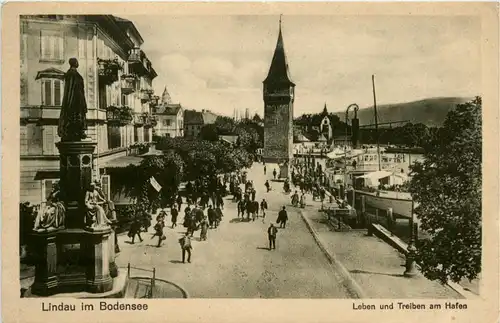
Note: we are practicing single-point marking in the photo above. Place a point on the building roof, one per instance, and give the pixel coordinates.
(168, 109)
(301, 138)
(199, 118)
(125, 23)
(322, 138)
(232, 139)
(279, 71)
(208, 117)
(192, 117)
(50, 72)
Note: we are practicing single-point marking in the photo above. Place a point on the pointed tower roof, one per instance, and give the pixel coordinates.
(325, 111)
(165, 97)
(279, 71)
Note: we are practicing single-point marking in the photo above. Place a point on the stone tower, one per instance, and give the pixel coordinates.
(278, 108)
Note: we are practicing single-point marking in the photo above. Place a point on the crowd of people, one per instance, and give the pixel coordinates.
(203, 211)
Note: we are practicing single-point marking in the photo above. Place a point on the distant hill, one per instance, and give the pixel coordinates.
(431, 112)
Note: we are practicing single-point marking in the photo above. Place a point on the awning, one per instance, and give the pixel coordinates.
(123, 161)
(376, 175)
(47, 174)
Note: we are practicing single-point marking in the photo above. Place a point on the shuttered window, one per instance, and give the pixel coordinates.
(52, 92)
(57, 93)
(51, 45)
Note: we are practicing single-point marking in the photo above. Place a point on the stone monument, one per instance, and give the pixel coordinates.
(73, 241)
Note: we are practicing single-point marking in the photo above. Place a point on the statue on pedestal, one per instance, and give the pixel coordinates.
(51, 216)
(96, 217)
(72, 120)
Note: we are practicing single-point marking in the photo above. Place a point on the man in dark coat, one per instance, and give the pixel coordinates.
(271, 234)
(241, 208)
(212, 216)
(268, 186)
(179, 202)
(282, 218)
(174, 212)
(72, 119)
(135, 229)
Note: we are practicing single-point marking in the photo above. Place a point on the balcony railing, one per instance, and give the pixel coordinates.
(150, 121)
(128, 83)
(108, 70)
(138, 62)
(154, 100)
(139, 119)
(144, 95)
(119, 115)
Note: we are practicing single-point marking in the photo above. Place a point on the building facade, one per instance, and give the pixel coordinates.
(195, 120)
(170, 120)
(117, 77)
(279, 92)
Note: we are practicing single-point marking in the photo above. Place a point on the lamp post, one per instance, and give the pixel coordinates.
(411, 270)
(356, 108)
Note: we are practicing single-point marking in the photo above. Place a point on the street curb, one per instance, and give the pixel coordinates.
(401, 246)
(349, 283)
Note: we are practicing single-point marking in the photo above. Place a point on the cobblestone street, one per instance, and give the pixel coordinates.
(235, 261)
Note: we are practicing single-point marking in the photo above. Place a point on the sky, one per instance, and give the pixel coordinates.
(218, 63)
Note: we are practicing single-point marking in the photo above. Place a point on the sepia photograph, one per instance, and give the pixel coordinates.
(265, 155)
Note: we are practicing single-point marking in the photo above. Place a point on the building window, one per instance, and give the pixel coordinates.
(124, 100)
(51, 45)
(167, 122)
(82, 46)
(52, 92)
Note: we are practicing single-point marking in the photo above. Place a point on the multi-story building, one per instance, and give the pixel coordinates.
(117, 76)
(169, 117)
(170, 120)
(195, 120)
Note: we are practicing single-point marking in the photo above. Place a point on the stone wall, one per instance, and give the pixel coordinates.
(278, 132)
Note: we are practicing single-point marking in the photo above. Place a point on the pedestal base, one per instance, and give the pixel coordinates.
(73, 260)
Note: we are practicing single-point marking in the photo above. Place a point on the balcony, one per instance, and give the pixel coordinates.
(108, 70)
(139, 119)
(138, 62)
(146, 94)
(120, 116)
(155, 99)
(150, 121)
(128, 83)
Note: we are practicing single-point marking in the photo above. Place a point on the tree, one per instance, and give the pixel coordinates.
(225, 125)
(209, 132)
(447, 188)
(257, 118)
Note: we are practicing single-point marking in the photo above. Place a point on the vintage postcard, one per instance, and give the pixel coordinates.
(250, 162)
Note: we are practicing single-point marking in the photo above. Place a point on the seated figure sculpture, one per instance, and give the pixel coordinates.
(96, 217)
(109, 205)
(51, 216)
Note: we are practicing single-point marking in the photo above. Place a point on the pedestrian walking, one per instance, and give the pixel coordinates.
(135, 229)
(174, 212)
(203, 229)
(263, 208)
(179, 202)
(254, 192)
(268, 186)
(282, 218)
(186, 247)
(159, 232)
(241, 208)
(264, 169)
(271, 234)
(274, 173)
(212, 216)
